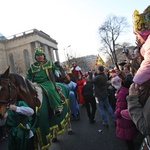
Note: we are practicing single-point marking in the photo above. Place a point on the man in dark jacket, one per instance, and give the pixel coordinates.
(100, 84)
(90, 102)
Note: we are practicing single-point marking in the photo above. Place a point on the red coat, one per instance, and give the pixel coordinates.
(125, 129)
(80, 83)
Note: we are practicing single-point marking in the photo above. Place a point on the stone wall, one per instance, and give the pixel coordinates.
(18, 50)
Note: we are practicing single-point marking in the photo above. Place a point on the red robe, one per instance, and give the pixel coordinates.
(76, 70)
(80, 83)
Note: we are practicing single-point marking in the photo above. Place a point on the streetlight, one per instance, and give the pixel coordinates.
(67, 54)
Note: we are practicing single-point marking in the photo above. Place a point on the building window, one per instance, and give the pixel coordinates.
(27, 61)
(12, 64)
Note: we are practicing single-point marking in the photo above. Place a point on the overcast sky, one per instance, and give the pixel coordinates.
(69, 22)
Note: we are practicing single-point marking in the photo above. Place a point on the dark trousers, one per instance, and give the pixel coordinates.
(130, 144)
(90, 105)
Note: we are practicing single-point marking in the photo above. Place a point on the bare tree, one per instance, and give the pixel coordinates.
(106, 51)
(71, 56)
(110, 31)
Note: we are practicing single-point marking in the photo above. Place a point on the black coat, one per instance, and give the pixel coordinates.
(87, 89)
(100, 84)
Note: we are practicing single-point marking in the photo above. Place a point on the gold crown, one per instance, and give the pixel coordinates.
(40, 49)
(141, 21)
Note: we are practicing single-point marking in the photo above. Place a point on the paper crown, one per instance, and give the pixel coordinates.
(39, 51)
(141, 21)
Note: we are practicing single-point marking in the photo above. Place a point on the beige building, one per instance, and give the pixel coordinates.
(17, 51)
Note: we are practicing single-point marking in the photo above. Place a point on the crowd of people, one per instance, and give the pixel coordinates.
(123, 93)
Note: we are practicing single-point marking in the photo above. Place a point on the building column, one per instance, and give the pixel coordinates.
(37, 44)
(46, 51)
(52, 58)
(57, 55)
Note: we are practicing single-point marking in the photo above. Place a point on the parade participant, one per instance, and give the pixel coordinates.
(92, 74)
(86, 76)
(80, 82)
(142, 32)
(61, 72)
(42, 72)
(19, 122)
(106, 70)
(100, 83)
(126, 69)
(111, 72)
(90, 101)
(76, 69)
(74, 106)
(133, 54)
(125, 128)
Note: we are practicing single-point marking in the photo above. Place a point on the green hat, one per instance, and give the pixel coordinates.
(39, 51)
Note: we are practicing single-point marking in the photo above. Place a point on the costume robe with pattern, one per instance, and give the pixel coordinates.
(39, 73)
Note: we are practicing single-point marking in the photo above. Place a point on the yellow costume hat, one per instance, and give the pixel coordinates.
(141, 21)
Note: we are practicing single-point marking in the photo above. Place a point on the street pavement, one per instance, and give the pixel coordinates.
(86, 136)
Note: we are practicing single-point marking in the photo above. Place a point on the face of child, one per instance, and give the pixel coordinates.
(139, 39)
(116, 82)
(39, 57)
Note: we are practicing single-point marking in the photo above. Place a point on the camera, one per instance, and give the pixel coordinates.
(124, 50)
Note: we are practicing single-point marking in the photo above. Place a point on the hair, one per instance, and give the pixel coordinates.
(127, 82)
(135, 65)
(72, 77)
(127, 66)
(144, 92)
(101, 68)
(136, 48)
(57, 63)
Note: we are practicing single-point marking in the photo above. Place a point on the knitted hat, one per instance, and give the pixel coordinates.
(116, 81)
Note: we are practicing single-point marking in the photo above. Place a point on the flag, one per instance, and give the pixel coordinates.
(68, 69)
(99, 61)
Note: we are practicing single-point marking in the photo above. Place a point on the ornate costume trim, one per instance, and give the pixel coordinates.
(141, 21)
(36, 67)
(58, 129)
(23, 127)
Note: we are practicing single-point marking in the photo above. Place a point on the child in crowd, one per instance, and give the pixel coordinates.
(142, 32)
(125, 128)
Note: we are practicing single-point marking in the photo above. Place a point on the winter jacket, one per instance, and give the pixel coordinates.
(143, 73)
(87, 89)
(125, 129)
(100, 85)
(140, 115)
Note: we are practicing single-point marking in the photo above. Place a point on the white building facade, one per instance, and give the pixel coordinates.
(18, 50)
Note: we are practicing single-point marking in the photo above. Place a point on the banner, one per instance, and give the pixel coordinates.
(99, 61)
(67, 68)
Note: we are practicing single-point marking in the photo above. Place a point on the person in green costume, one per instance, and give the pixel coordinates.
(43, 72)
(19, 122)
(62, 75)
